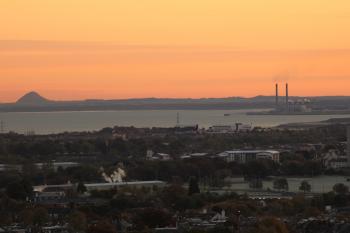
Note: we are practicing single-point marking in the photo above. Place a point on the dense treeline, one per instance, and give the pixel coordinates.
(15, 147)
(209, 172)
(147, 209)
(158, 208)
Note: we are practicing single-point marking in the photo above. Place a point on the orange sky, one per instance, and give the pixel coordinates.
(78, 49)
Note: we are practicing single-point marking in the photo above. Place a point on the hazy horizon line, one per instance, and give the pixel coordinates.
(118, 45)
(173, 98)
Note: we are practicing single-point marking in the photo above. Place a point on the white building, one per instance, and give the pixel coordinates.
(49, 194)
(243, 127)
(222, 129)
(194, 155)
(334, 160)
(104, 186)
(238, 127)
(244, 156)
(340, 162)
(57, 165)
(53, 165)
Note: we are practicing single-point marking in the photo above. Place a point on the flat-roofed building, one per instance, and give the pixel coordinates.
(222, 129)
(104, 186)
(244, 156)
(54, 165)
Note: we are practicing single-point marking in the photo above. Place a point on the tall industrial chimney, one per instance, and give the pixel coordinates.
(287, 98)
(276, 96)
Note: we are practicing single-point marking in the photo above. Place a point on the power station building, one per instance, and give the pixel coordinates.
(290, 105)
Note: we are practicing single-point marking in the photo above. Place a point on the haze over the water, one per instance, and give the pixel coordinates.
(154, 48)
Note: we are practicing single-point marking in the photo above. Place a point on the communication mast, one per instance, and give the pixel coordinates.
(178, 118)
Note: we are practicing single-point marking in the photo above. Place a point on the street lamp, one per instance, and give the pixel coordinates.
(238, 224)
(238, 214)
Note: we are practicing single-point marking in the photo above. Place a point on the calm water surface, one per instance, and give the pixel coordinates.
(55, 122)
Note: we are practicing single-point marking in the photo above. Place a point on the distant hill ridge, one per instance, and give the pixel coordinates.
(35, 98)
(34, 102)
(32, 98)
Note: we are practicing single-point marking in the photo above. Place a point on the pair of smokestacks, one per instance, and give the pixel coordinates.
(287, 96)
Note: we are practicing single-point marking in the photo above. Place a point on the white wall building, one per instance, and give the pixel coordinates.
(334, 160)
(104, 186)
(238, 127)
(53, 165)
(222, 129)
(244, 156)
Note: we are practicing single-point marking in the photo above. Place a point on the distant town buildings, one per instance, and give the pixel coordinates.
(338, 158)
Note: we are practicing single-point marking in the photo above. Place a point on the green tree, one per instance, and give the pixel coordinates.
(270, 225)
(47, 167)
(81, 188)
(77, 221)
(281, 184)
(29, 170)
(340, 188)
(40, 216)
(220, 229)
(305, 186)
(193, 186)
(102, 227)
(151, 218)
(27, 217)
(20, 190)
(256, 183)
(9, 208)
(259, 168)
(173, 192)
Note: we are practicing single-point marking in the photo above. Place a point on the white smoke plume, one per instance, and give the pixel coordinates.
(116, 176)
(285, 76)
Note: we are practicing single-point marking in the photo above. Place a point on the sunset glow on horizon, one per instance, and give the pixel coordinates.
(114, 49)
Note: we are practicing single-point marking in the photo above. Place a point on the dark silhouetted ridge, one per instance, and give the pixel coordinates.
(32, 98)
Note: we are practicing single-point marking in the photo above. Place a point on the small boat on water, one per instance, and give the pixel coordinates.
(227, 114)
